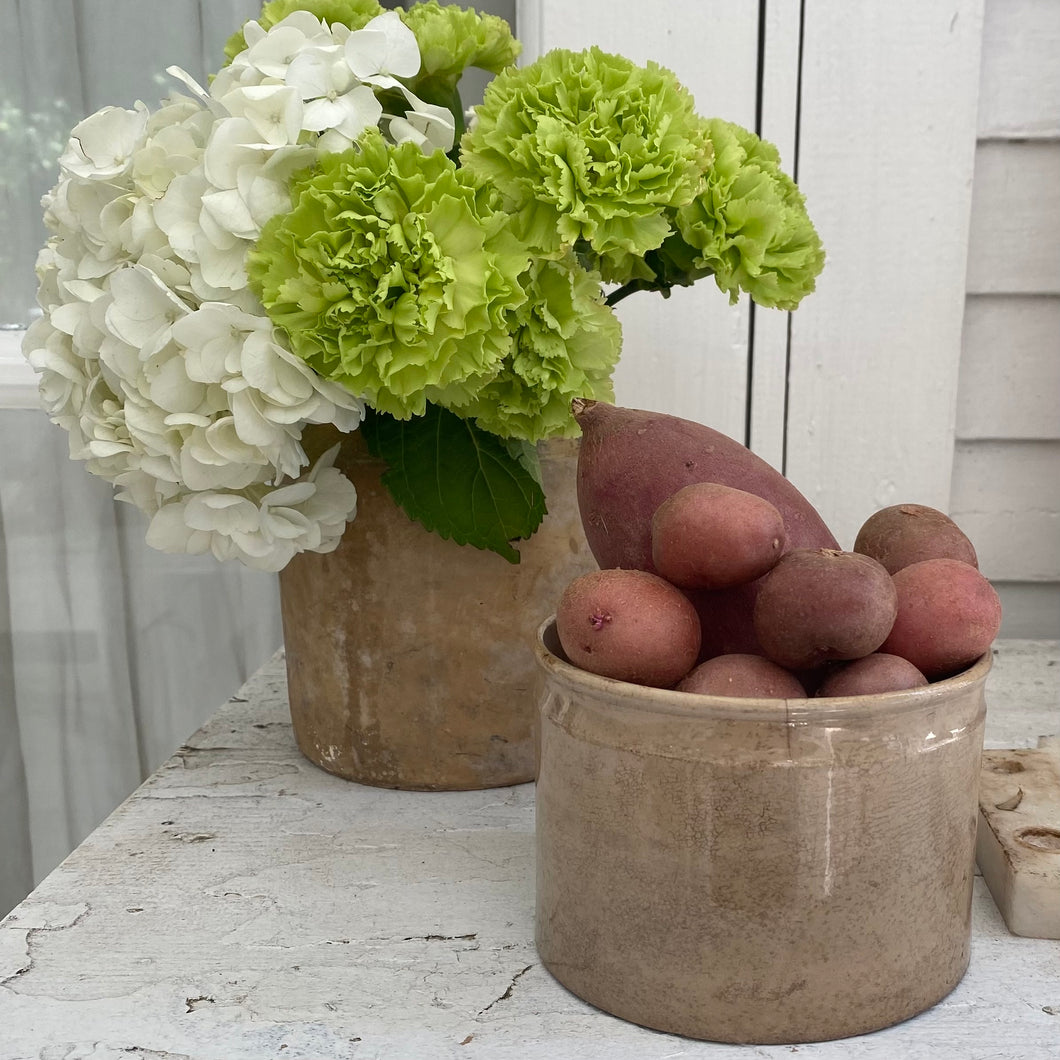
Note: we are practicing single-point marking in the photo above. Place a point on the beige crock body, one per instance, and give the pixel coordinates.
(757, 871)
(409, 658)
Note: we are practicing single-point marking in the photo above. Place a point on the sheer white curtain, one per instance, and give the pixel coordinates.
(110, 654)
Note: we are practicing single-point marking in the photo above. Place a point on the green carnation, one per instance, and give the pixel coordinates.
(352, 13)
(750, 226)
(591, 151)
(452, 38)
(393, 274)
(567, 342)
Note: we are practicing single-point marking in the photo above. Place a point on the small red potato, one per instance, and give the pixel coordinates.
(948, 615)
(746, 676)
(822, 604)
(629, 625)
(872, 675)
(710, 536)
(909, 533)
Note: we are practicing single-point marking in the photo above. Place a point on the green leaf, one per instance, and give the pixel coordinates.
(458, 480)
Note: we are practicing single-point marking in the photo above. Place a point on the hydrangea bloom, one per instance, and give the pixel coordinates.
(392, 274)
(749, 226)
(590, 149)
(153, 353)
(264, 529)
(350, 13)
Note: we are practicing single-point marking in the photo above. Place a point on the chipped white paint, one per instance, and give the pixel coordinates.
(244, 905)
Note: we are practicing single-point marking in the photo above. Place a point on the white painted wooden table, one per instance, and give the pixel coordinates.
(243, 905)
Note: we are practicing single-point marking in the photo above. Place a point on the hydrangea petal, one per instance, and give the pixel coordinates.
(383, 51)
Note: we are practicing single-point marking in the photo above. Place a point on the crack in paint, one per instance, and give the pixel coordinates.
(507, 993)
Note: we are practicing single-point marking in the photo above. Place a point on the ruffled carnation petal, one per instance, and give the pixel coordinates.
(567, 342)
(391, 275)
(749, 226)
(589, 148)
(452, 38)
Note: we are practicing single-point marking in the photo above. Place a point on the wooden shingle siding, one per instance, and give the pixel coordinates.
(1014, 241)
(1009, 386)
(1006, 496)
(1006, 471)
(1020, 89)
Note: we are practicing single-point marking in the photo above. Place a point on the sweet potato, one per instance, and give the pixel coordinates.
(629, 625)
(710, 536)
(948, 615)
(746, 676)
(631, 460)
(872, 675)
(909, 533)
(822, 604)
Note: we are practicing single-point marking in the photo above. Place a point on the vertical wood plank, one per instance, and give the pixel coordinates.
(686, 355)
(887, 140)
(779, 121)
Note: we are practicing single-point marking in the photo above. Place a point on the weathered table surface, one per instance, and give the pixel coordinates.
(244, 905)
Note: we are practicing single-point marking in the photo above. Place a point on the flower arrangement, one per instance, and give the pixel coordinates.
(316, 239)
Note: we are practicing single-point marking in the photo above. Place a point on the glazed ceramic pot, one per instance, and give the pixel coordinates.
(409, 658)
(757, 871)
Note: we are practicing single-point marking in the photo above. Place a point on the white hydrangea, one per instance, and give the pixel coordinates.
(264, 529)
(334, 72)
(152, 351)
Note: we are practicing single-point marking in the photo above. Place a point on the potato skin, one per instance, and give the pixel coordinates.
(745, 676)
(629, 625)
(821, 604)
(948, 616)
(904, 534)
(711, 536)
(872, 675)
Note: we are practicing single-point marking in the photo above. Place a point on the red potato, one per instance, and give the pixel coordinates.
(909, 533)
(872, 675)
(629, 625)
(710, 536)
(816, 605)
(745, 676)
(948, 616)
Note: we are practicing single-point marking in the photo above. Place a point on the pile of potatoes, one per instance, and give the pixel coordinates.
(906, 606)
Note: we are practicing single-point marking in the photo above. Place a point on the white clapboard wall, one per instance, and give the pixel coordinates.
(1006, 474)
(925, 367)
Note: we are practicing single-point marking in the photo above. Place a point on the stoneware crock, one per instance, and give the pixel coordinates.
(757, 871)
(409, 658)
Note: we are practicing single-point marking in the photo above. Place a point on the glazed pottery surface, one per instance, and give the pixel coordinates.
(757, 871)
(409, 657)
